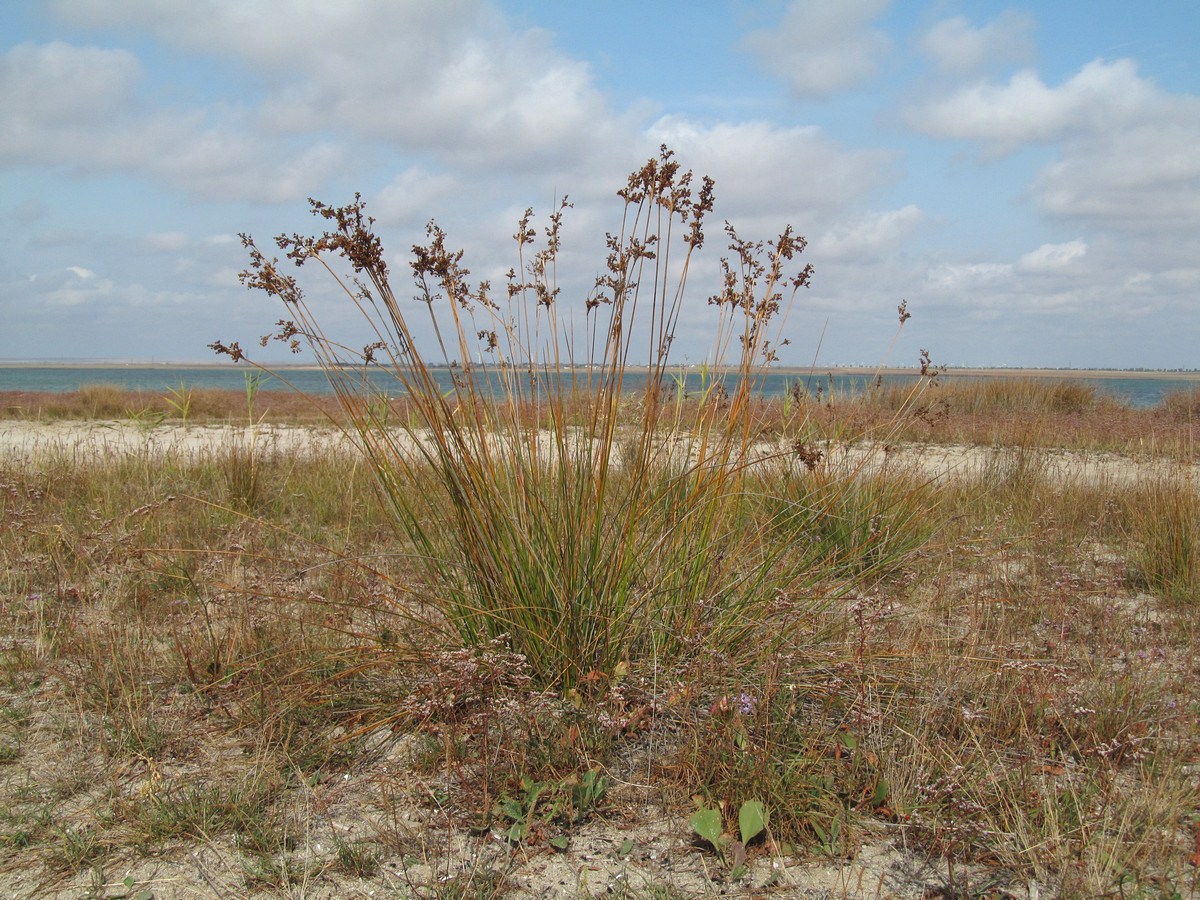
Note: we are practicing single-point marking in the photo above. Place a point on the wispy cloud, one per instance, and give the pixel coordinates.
(958, 47)
(821, 48)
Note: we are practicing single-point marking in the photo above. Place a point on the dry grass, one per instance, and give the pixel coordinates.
(1005, 412)
(203, 406)
(515, 643)
(1013, 695)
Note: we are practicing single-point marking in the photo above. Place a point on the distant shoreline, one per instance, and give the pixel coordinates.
(996, 372)
(817, 372)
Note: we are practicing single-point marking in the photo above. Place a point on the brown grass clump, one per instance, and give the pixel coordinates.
(1182, 405)
(203, 406)
(1032, 412)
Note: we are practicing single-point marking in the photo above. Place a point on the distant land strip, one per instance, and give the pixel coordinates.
(814, 371)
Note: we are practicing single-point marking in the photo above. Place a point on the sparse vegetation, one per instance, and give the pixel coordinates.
(657, 643)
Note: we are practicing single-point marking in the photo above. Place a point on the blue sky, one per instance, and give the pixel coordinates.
(1027, 177)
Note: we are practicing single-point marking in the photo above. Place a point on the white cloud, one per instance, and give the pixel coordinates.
(77, 107)
(1043, 277)
(285, 34)
(1100, 97)
(1052, 258)
(957, 47)
(821, 48)
(411, 196)
(60, 88)
(1143, 178)
(450, 76)
(957, 278)
(61, 83)
(1056, 286)
(1127, 159)
(75, 286)
(872, 236)
(763, 171)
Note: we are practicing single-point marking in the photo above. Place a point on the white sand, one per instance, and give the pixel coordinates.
(90, 441)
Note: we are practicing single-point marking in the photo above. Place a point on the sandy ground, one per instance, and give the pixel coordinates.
(90, 440)
(664, 853)
(636, 849)
(93, 440)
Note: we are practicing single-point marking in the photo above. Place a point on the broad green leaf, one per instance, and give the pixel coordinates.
(707, 824)
(752, 819)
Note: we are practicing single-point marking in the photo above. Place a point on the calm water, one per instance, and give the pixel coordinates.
(1138, 392)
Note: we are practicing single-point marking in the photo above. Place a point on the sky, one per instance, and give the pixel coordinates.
(1025, 177)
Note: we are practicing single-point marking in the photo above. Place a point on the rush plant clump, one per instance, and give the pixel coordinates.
(589, 520)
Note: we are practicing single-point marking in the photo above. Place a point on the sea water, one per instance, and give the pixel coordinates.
(1139, 391)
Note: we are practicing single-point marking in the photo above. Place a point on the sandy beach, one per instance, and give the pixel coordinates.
(85, 441)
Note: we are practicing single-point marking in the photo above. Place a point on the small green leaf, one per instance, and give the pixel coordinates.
(881, 792)
(752, 819)
(707, 824)
(560, 842)
(513, 809)
(626, 848)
